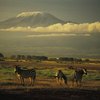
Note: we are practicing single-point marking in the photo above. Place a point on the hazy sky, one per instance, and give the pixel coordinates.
(72, 10)
(80, 38)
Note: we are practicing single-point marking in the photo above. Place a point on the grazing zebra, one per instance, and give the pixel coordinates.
(77, 76)
(25, 73)
(60, 75)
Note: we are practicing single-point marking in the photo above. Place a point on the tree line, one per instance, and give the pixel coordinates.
(28, 57)
(45, 58)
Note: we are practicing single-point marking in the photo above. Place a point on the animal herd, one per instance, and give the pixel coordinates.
(60, 76)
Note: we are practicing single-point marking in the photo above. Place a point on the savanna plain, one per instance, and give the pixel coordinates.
(46, 86)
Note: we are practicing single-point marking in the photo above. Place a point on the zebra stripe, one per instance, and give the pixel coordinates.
(25, 73)
(60, 75)
(78, 75)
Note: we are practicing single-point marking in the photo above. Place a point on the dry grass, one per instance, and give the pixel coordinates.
(45, 72)
(47, 83)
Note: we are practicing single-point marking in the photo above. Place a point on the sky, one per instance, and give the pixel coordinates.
(81, 11)
(74, 39)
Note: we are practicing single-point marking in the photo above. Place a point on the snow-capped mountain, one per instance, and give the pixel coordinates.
(32, 19)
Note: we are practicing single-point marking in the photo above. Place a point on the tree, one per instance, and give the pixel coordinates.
(13, 57)
(87, 60)
(29, 57)
(41, 58)
(1, 56)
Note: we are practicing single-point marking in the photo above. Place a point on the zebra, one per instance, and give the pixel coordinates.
(78, 74)
(25, 73)
(60, 75)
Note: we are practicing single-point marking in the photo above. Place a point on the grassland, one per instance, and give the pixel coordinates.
(46, 71)
(46, 86)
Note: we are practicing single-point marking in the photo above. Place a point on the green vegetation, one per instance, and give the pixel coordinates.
(92, 75)
(46, 73)
(8, 74)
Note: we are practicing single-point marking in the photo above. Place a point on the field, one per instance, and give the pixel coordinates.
(46, 86)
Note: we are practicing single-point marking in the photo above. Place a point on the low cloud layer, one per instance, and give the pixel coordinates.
(61, 28)
(51, 35)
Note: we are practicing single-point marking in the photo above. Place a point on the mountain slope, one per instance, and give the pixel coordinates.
(32, 19)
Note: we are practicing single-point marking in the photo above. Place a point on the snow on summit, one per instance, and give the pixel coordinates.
(26, 14)
(32, 19)
(46, 22)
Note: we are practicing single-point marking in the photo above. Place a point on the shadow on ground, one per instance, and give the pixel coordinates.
(49, 94)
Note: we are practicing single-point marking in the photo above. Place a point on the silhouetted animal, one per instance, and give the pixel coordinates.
(25, 73)
(60, 75)
(77, 76)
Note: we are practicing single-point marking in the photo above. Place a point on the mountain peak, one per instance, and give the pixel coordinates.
(32, 19)
(27, 14)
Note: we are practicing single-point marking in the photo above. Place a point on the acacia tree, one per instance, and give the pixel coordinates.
(1, 56)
